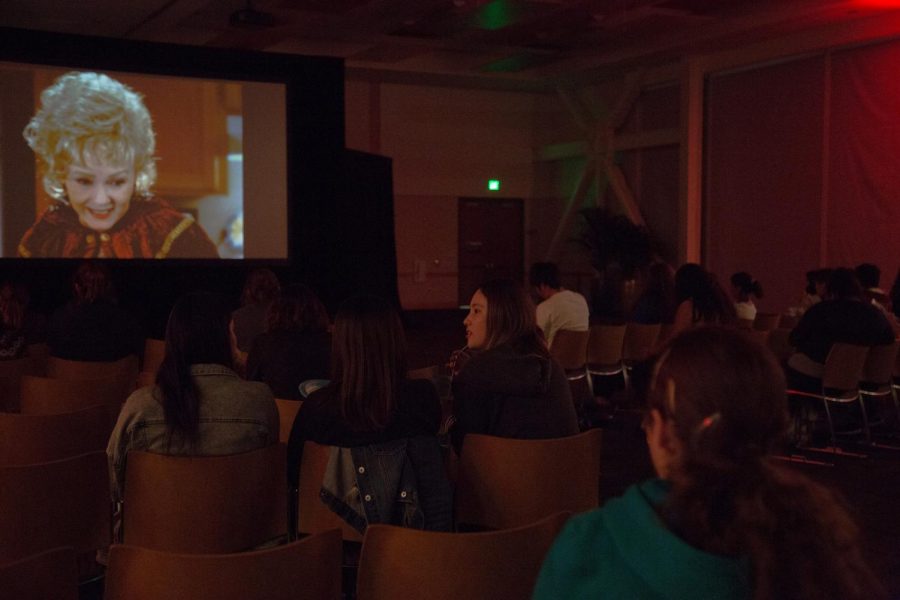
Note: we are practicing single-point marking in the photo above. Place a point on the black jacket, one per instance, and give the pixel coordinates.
(507, 393)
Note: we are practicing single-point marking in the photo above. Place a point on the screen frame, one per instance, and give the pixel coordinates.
(314, 101)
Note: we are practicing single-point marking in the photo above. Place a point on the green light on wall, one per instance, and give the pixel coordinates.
(494, 185)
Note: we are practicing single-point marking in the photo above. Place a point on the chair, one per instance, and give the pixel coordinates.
(760, 336)
(638, 343)
(124, 369)
(29, 439)
(876, 379)
(154, 351)
(499, 565)
(505, 482)
(840, 385)
(766, 321)
(604, 351)
(309, 569)
(47, 396)
(745, 323)
(570, 349)
(50, 575)
(287, 412)
(308, 513)
(38, 352)
(60, 503)
(11, 372)
(204, 504)
(145, 378)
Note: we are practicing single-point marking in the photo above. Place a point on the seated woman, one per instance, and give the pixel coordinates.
(387, 421)
(199, 406)
(725, 519)
(700, 299)
(510, 387)
(743, 289)
(94, 139)
(296, 345)
(92, 326)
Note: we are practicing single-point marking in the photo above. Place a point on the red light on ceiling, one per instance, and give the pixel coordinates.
(877, 3)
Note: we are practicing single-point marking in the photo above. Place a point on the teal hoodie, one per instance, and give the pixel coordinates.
(624, 550)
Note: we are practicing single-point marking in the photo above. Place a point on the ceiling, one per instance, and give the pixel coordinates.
(526, 41)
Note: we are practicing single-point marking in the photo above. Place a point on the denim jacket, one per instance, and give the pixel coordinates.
(235, 416)
(400, 482)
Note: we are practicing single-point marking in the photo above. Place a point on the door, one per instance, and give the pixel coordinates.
(491, 242)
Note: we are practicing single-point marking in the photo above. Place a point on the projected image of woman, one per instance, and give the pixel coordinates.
(94, 140)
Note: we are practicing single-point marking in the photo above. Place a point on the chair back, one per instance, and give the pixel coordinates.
(505, 482)
(605, 344)
(766, 321)
(154, 352)
(29, 439)
(145, 378)
(744, 323)
(312, 514)
(287, 412)
(47, 396)
(11, 373)
(760, 336)
(204, 504)
(38, 352)
(879, 363)
(843, 366)
(569, 348)
(408, 563)
(309, 569)
(124, 369)
(50, 575)
(60, 503)
(640, 338)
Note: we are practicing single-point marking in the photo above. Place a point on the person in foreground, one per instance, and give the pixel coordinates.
(199, 406)
(388, 422)
(94, 139)
(724, 519)
(510, 387)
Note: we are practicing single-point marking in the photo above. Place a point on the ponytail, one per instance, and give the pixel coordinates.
(799, 538)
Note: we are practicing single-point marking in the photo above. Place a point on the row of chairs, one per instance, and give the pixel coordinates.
(855, 374)
(395, 563)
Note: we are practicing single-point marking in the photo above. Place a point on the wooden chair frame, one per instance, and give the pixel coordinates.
(30, 439)
(51, 574)
(499, 565)
(505, 482)
(309, 569)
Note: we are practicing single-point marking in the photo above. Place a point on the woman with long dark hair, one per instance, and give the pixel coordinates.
(199, 405)
(700, 299)
(725, 519)
(744, 288)
(388, 421)
(510, 387)
(295, 346)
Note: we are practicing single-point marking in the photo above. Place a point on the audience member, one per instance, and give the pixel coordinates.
(656, 304)
(199, 405)
(296, 345)
(743, 288)
(510, 387)
(844, 316)
(560, 308)
(816, 280)
(92, 326)
(725, 519)
(869, 277)
(700, 299)
(12, 320)
(389, 422)
(260, 290)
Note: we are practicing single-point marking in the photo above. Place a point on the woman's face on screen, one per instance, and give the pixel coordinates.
(99, 192)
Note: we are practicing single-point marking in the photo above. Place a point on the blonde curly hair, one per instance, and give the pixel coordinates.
(85, 113)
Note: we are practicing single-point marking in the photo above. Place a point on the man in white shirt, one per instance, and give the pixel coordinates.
(560, 308)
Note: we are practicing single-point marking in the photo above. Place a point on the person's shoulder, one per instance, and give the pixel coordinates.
(143, 402)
